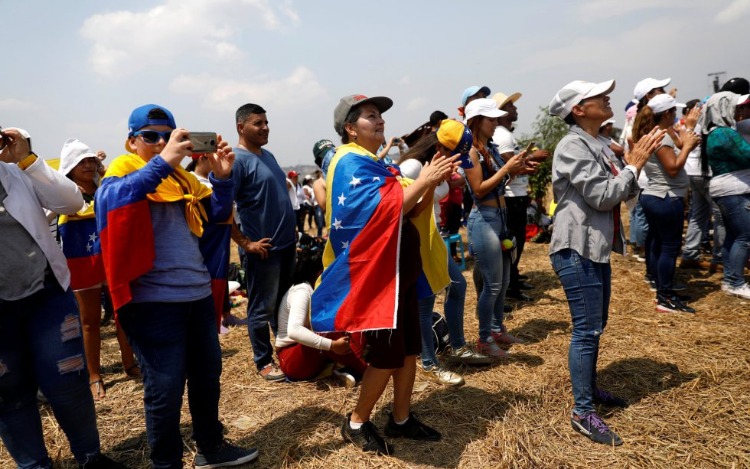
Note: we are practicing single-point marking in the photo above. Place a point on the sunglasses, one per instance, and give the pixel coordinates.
(152, 137)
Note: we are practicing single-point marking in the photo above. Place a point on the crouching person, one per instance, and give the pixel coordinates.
(302, 353)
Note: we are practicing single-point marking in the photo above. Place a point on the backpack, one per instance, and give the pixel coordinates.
(440, 332)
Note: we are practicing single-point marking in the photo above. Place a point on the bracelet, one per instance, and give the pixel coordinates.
(28, 161)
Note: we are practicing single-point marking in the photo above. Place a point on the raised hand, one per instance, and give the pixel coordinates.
(223, 160)
(177, 148)
(648, 144)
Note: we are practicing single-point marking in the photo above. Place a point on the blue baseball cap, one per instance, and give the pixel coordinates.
(472, 90)
(140, 118)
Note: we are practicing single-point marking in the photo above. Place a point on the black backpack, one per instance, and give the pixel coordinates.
(440, 332)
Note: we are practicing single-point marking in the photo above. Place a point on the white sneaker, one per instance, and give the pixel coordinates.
(346, 379)
(743, 291)
(465, 355)
(440, 375)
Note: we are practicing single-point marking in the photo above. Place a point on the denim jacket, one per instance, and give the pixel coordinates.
(587, 191)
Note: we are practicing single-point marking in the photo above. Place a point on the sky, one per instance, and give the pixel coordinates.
(78, 68)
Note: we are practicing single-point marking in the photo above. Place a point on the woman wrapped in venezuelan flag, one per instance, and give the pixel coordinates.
(377, 221)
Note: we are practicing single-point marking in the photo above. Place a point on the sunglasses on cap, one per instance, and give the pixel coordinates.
(152, 137)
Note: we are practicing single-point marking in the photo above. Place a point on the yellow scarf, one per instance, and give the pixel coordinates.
(180, 185)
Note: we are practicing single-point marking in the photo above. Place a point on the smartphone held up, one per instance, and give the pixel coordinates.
(203, 142)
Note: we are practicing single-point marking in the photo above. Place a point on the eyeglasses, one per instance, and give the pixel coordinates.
(152, 137)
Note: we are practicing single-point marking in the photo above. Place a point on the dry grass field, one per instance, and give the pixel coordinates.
(686, 376)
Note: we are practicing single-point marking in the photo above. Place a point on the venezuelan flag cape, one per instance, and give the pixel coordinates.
(82, 249)
(358, 289)
(123, 216)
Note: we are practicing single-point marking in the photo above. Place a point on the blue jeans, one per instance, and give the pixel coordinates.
(701, 210)
(638, 225)
(735, 209)
(267, 281)
(41, 346)
(320, 220)
(587, 287)
(454, 315)
(486, 226)
(665, 219)
(175, 342)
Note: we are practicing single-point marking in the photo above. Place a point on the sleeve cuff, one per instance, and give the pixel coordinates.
(632, 169)
(28, 161)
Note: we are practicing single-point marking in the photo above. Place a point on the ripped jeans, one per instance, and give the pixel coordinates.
(587, 287)
(41, 346)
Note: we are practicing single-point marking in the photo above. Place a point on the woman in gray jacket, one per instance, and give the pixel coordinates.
(589, 183)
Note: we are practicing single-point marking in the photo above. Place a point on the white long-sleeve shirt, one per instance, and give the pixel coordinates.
(294, 320)
(29, 192)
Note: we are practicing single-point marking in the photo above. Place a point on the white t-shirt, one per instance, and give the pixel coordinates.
(293, 321)
(506, 143)
(693, 162)
(411, 169)
(292, 191)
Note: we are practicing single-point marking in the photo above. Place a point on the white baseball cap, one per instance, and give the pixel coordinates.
(575, 92)
(643, 87)
(486, 107)
(663, 102)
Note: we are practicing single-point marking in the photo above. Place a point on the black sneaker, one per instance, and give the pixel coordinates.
(412, 429)
(607, 399)
(366, 437)
(671, 304)
(592, 426)
(101, 461)
(518, 296)
(225, 455)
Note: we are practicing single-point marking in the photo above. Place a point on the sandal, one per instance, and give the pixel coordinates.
(134, 371)
(98, 391)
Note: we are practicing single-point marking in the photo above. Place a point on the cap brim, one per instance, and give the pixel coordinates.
(743, 99)
(380, 102)
(661, 83)
(604, 87)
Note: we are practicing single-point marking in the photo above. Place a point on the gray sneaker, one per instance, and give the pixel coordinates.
(224, 455)
(466, 356)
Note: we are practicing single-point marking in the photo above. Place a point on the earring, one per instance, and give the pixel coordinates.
(355, 136)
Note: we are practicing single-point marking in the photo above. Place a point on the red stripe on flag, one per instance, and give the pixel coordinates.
(371, 301)
(86, 272)
(218, 291)
(127, 248)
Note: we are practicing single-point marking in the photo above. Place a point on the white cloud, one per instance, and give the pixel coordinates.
(604, 9)
(733, 12)
(131, 41)
(297, 89)
(634, 46)
(416, 103)
(12, 104)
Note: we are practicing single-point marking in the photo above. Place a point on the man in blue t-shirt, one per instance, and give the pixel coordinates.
(266, 232)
